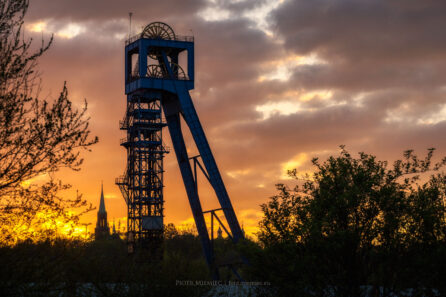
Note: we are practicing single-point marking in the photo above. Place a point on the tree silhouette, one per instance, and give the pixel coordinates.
(356, 224)
(37, 137)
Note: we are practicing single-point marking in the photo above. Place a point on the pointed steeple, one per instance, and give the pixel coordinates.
(102, 230)
(102, 202)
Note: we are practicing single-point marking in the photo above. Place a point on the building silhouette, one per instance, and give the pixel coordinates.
(102, 230)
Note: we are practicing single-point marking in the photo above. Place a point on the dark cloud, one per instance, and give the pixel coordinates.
(368, 45)
(100, 10)
(386, 31)
(230, 51)
(374, 76)
(240, 6)
(391, 53)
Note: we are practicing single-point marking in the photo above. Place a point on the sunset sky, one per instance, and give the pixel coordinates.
(277, 83)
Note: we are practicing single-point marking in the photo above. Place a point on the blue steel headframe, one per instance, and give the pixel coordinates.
(140, 47)
(176, 102)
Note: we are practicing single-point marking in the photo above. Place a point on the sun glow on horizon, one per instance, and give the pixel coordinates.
(45, 225)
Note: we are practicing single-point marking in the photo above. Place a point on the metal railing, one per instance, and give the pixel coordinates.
(133, 78)
(123, 187)
(124, 124)
(122, 180)
(184, 38)
(177, 38)
(152, 143)
(123, 140)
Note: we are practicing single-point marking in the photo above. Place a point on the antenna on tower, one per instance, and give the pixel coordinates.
(130, 24)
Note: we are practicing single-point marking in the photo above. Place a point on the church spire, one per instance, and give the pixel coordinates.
(102, 230)
(102, 202)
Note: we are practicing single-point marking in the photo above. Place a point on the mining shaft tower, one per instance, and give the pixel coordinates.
(156, 84)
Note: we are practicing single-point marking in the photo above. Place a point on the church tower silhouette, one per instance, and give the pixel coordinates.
(102, 230)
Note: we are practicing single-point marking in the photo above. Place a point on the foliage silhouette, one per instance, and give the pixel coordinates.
(37, 137)
(357, 227)
(101, 268)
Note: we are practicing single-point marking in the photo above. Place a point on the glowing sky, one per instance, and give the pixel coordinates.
(277, 83)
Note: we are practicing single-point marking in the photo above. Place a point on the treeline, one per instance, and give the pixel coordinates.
(65, 267)
(101, 268)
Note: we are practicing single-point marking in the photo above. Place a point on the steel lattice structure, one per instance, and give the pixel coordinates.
(151, 88)
(142, 185)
